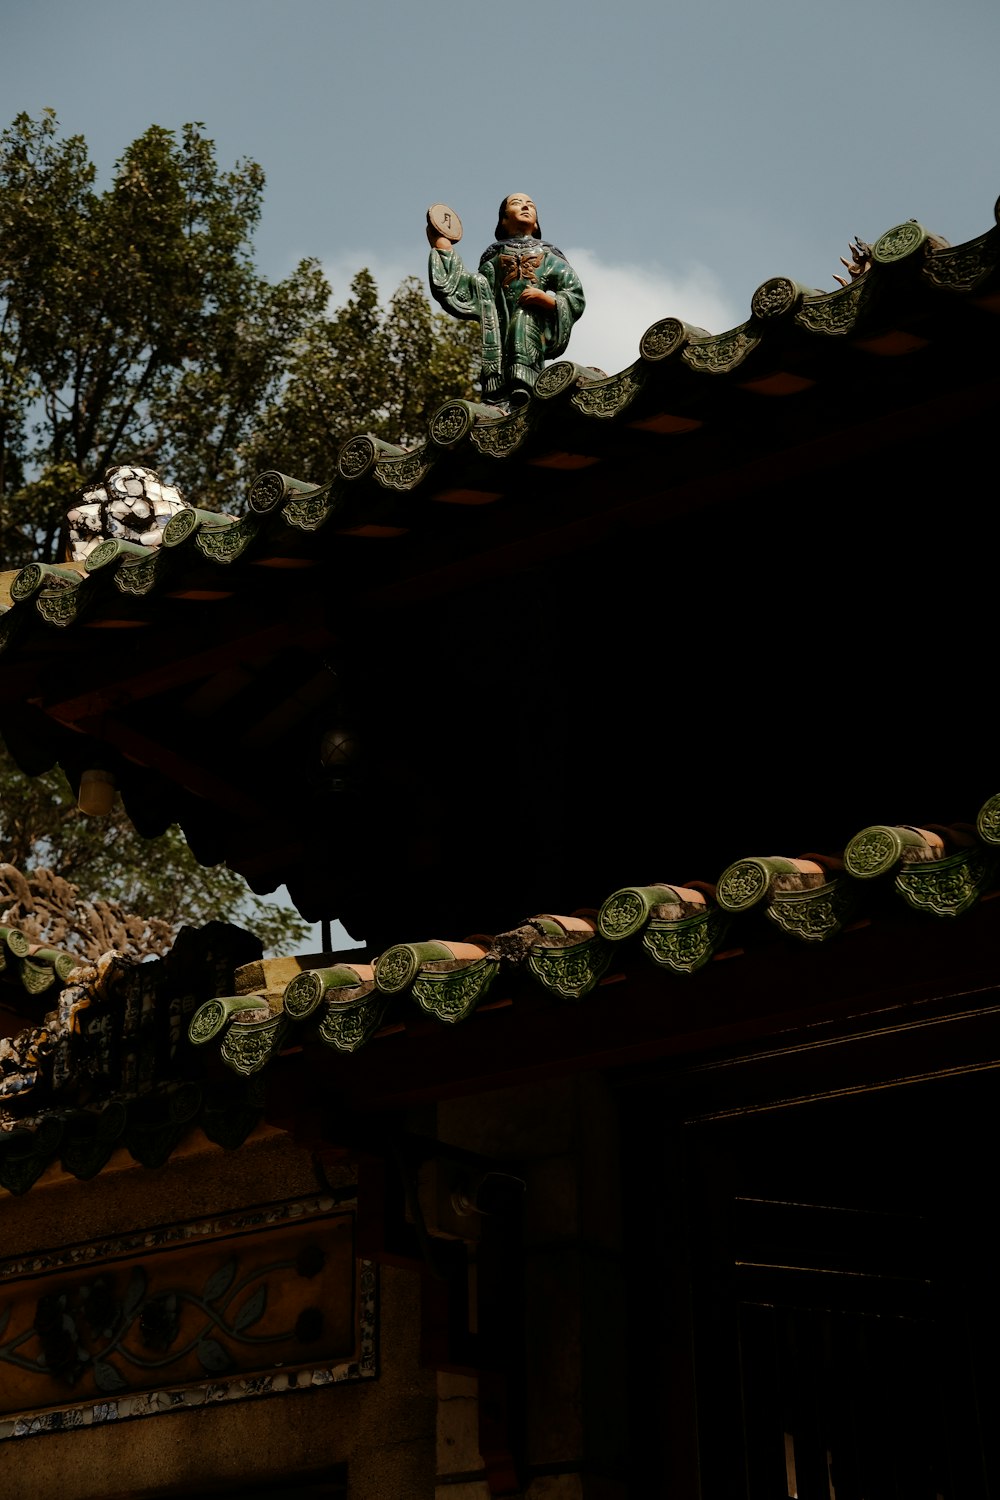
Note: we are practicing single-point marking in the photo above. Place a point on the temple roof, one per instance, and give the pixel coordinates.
(214, 1038)
(220, 672)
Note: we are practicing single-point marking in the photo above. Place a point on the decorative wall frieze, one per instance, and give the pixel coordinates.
(350, 1008)
(723, 352)
(499, 439)
(963, 269)
(350, 1020)
(606, 398)
(813, 915)
(139, 578)
(684, 945)
(249, 1045)
(405, 473)
(228, 543)
(451, 992)
(310, 512)
(947, 887)
(227, 1307)
(36, 977)
(570, 967)
(62, 607)
(836, 313)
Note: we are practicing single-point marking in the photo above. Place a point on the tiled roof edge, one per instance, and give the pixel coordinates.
(810, 899)
(670, 352)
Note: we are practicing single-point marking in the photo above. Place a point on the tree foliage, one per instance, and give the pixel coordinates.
(132, 322)
(135, 325)
(147, 886)
(365, 368)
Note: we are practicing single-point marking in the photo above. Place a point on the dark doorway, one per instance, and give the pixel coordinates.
(824, 1322)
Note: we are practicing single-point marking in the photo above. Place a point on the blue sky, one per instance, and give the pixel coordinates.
(680, 154)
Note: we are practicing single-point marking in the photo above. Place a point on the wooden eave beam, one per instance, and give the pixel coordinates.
(179, 769)
(190, 667)
(875, 982)
(655, 504)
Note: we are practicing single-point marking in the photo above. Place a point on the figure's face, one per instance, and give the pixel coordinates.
(520, 215)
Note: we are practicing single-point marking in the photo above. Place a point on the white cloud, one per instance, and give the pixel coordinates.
(388, 271)
(624, 300)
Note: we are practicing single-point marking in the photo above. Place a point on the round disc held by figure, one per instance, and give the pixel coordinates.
(446, 221)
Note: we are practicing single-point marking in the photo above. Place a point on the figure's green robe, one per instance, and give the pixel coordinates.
(516, 340)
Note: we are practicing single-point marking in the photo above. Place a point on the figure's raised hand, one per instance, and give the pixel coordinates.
(444, 227)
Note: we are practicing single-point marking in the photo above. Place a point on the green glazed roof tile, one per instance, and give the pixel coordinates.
(150, 1105)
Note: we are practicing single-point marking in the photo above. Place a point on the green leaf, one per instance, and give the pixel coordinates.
(220, 1281)
(252, 1309)
(212, 1357)
(107, 1377)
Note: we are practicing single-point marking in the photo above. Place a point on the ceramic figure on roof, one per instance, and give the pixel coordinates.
(525, 295)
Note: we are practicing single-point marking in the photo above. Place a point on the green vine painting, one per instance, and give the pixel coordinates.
(125, 1328)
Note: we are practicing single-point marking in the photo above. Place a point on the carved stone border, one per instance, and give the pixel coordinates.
(192, 1397)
